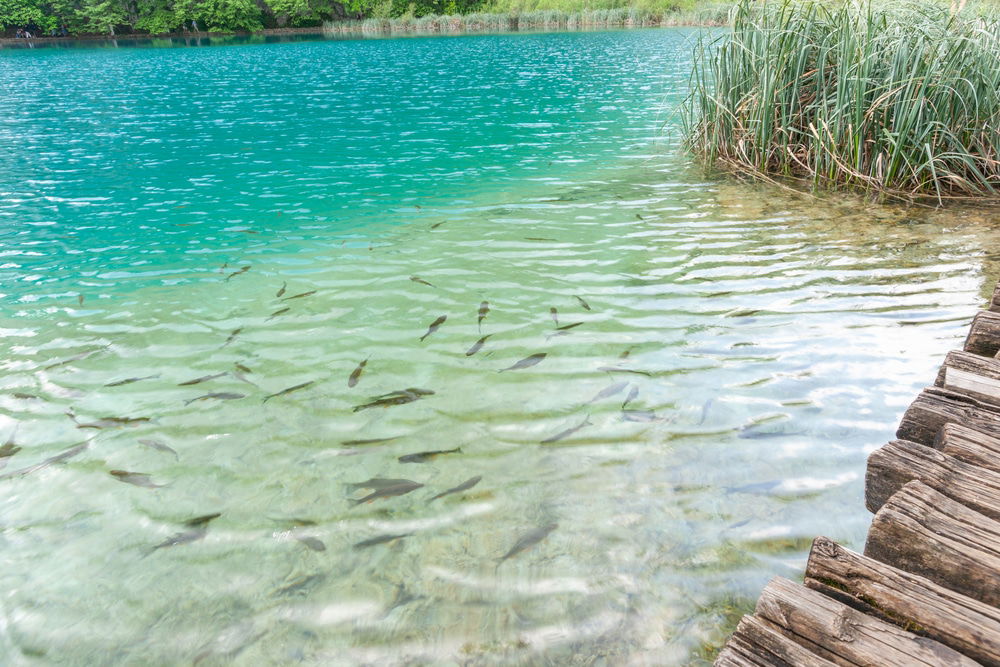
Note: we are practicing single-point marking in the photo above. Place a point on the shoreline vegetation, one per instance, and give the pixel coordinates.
(623, 17)
(895, 100)
(65, 20)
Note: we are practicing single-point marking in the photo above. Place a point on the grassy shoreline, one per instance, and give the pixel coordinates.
(624, 17)
(446, 24)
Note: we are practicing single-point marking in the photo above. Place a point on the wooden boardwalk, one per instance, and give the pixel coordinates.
(927, 589)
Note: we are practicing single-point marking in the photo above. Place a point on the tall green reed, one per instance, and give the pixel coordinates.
(894, 99)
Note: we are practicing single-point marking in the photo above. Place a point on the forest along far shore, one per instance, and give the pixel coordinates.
(25, 21)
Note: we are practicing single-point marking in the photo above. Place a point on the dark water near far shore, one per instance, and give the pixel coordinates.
(768, 343)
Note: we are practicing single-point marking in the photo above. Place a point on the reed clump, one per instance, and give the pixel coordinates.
(894, 99)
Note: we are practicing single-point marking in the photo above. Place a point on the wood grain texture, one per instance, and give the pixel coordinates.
(972, 385)
(758, 643)
(844, 635)
(984, 334)
(907, 600)
(928, 534)
(895, 464)
(935, 407)
(970, 446)
(966, 361)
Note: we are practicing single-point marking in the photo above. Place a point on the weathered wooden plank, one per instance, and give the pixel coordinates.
(967, 361)
(935, 407)
(910, 601)
(895, 464)
(928, 534)
(995, 301)
(844, 635)
(984, 334)
(969, 445)
(982, 389)
(757, 643)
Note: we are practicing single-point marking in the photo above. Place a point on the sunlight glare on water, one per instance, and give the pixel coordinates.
(719, 358)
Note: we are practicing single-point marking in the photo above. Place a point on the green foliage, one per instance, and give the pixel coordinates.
(227, 15)
(894, 99)
(100, 16)
(20, 12)
(166, 16)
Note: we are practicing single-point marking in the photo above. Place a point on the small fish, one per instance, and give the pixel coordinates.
(390, 491)
(527, 362)
(203, 378)
(281, 291)
(395, 398)
(422, 457)
(58, 458)
(582, 302)
(135, 478)
(418, 279)
(438, 224)
(464, 486)
(378, 483)
(555, 315)
(639, 216)
(381, 539)
(8, 450)
(631, 396)
(528, 541)
(110, 422)
(540, 238)
(434, 326)
(566, 327)
(218, 395)
(568, 432)
(242, 367)
(243, 269)
(628, 351)
(199, 528)
(484, 309)
(225, 265)
(639, 416)
(289, 390)
(617, 369)
(118, 383)
(312, 543)
(302, 584)
(608, 391)
(478, 345)
(277, 312)
(79, 299)
(299, 296)
(356, 374)
(368, 441)
(23, 396)
(232, 336)
(76, 357)
(159, 446)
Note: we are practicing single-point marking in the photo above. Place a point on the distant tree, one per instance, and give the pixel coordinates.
(226, 15)
(21, 13)
(101, 16)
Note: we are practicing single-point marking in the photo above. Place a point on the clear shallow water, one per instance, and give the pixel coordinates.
(779, 339)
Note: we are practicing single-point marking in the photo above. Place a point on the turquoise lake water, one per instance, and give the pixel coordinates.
(159, 208)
